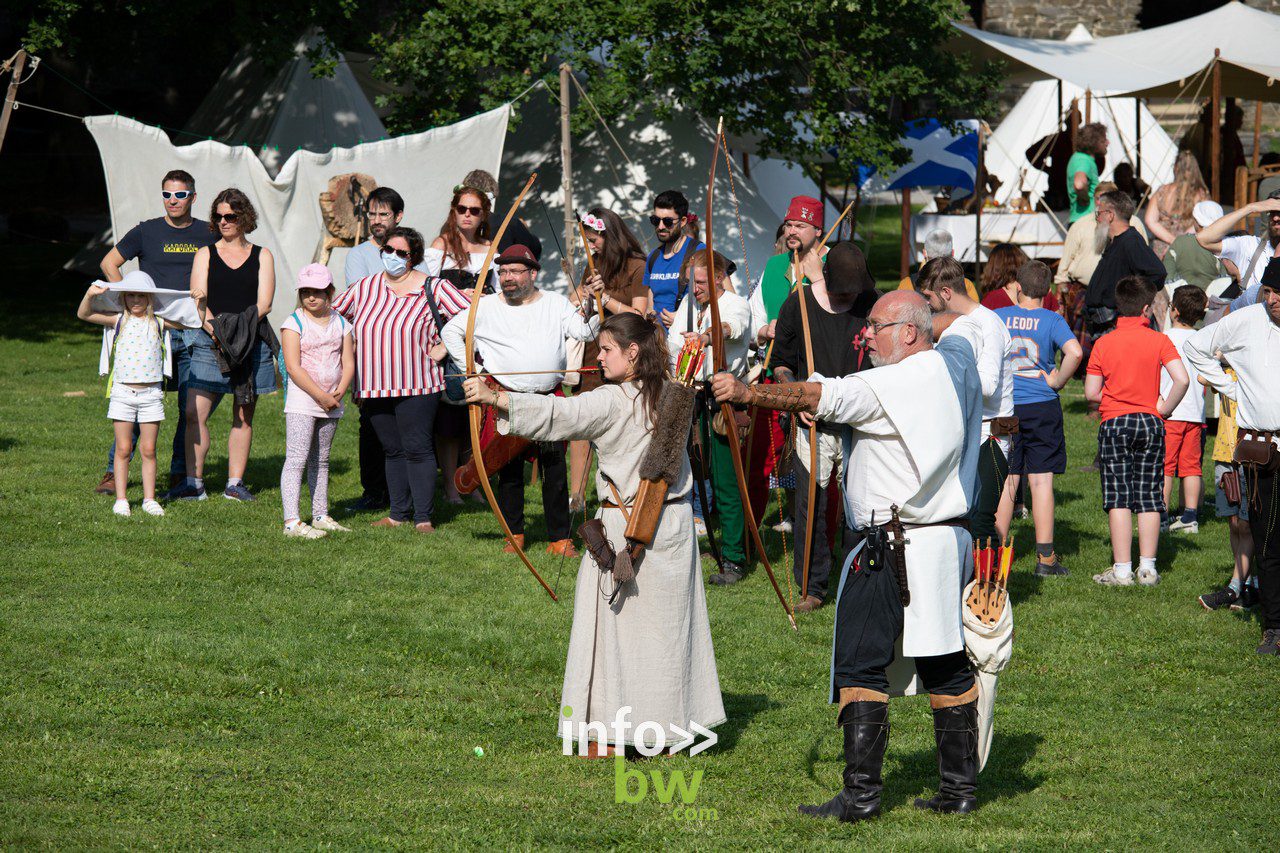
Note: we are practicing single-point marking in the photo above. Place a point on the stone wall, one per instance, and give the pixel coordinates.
(1056, 18)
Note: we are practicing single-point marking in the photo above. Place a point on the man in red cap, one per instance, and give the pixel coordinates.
(801, 232)
(522, 331)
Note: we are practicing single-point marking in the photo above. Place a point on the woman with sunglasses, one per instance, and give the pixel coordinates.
(456, 256)
(398, 368)
(228, 278)
(618, 282)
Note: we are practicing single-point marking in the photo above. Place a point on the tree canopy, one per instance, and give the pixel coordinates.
(815, 82)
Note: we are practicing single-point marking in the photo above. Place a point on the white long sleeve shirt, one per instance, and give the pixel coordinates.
(735, 311)
(1250, 343)
(989, 336)
(526, 337)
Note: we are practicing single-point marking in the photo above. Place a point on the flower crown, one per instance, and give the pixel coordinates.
(595, 223)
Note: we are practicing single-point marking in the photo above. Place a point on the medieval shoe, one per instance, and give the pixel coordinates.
(511, 549)
(562, 548)
(866, 734)
(808, 605)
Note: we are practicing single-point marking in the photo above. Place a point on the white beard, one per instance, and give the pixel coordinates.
(1100, 239)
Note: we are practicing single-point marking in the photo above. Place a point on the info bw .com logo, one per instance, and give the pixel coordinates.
(631, 786)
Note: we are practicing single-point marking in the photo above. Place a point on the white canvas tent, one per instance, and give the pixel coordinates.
(659, 155)
(277, 114)
(1155, 62)
(1036, 116)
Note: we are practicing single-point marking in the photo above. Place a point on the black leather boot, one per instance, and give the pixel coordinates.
(866, 734)
(956, 730)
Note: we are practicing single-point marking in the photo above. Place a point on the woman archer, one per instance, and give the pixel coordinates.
(617, 266)
(642, 643)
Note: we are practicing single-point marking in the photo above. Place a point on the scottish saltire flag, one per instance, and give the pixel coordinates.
(939, 158)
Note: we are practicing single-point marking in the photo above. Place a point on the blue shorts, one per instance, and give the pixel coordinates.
(206, 375)
(1040, 445)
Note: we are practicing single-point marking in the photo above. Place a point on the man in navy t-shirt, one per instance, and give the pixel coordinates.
(662, 267)
(165, 248)
(1039, 446)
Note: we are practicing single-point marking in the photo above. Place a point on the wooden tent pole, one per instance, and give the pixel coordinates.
(906, 232)
(1215, 131)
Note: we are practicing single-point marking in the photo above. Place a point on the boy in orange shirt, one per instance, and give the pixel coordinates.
(1124, 378)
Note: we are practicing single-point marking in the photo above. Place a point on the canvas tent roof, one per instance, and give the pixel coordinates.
(277, 113)
(1155, 62)
(1036, 116)
(670, 154)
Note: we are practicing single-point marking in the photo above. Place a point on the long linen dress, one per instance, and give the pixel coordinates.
(651, 649)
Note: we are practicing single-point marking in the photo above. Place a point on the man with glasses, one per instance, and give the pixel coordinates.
(523, 331)
(916, 420)
(164, 248)
(1126, 253)
(662, 267)
(1248, 253)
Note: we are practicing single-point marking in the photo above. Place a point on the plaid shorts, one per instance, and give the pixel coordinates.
(1131, 461)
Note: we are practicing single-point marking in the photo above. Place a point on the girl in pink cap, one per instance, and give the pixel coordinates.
(319, 357)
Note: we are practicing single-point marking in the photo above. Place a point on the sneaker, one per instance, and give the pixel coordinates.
(1109, 578)
(151, 507)
(238, 493)
(325, 522)
(107, 485)
(302, 530)
(1164, 524)
(1270, 642)
(783, 526)
(1181, 526)
(729, 574)
(1248, 599)
(1219, 598)
(188, 492)
(121, 508)
(1148, 577)
(699, 526)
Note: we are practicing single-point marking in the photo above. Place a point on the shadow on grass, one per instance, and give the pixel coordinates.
(1004, 775)
(7, 443)
(741, 709)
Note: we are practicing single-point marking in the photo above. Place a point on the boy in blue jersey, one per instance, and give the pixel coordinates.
(662, 267)
(1040, 446)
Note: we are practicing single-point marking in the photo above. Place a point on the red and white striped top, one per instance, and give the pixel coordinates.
(394, 333)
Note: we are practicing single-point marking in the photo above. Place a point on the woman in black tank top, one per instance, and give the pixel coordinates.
(228, 277)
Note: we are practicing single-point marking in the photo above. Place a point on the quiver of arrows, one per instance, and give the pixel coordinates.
(991, 566)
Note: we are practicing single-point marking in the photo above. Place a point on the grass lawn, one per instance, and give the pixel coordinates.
(199, 681)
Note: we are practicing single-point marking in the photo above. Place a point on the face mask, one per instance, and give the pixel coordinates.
(394, 264)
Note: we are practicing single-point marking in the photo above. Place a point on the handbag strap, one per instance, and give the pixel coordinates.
(427, 291)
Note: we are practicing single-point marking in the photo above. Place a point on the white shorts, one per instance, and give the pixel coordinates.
(136, 405)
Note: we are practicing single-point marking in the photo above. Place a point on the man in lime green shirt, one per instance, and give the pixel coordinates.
(1082, 168)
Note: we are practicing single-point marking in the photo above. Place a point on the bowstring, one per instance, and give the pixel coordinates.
(733, 193)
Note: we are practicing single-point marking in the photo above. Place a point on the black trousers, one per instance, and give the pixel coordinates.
(405, 426)
(1264, 501)
(868, 623)
(993, 470)
(555, 491)
(373, 462)
(820, 563)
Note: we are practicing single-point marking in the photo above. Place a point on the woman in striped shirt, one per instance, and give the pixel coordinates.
(398, 368)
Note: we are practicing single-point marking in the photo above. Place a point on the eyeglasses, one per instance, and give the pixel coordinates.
(388, 250)
(877, 328)
(667, 221)
(464, 209)
(178, 194)
(228, 217)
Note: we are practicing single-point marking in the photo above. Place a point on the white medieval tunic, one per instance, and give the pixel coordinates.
(914, 442)
(651, 649)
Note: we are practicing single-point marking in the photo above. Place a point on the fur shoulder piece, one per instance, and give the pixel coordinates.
(670, 435)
